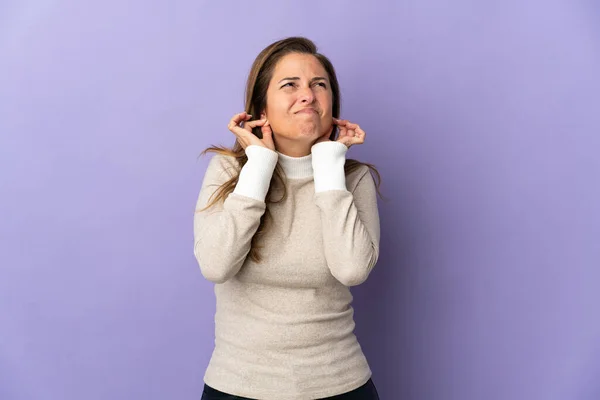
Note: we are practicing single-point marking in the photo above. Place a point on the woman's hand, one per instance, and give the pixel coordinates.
(244, 134)
(350, 134)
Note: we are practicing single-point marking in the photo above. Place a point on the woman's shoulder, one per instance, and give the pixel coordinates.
(220, 163)
(356, 174)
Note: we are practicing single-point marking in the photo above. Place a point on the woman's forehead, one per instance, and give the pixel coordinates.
(299, 64)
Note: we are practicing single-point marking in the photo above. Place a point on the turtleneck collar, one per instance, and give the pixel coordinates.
(296, 167)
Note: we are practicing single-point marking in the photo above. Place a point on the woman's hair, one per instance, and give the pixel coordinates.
(256, 101)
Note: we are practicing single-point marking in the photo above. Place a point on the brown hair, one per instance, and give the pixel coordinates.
(256, 101)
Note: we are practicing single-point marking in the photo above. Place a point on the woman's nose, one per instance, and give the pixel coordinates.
(307, 95)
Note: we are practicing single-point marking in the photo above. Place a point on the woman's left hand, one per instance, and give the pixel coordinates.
(349, 133)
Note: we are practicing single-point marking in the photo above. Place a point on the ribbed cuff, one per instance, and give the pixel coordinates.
(255, 176)
(328, 159)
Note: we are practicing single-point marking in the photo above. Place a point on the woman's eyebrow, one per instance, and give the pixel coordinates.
(295, 78)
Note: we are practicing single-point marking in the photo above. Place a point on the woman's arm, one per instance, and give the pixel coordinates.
(350, 220)
(223, 233)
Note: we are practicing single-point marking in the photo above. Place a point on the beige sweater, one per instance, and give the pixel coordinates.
(284, 327)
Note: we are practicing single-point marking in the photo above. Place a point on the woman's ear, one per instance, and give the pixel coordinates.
(264, 116)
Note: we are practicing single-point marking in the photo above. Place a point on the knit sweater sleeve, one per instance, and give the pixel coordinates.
(350, 220)
(223, 233)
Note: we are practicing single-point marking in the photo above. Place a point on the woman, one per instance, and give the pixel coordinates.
(284, 224)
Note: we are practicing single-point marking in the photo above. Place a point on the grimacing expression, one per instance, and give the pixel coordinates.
(299, 98)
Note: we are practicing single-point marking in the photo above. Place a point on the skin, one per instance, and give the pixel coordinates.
(298, 111)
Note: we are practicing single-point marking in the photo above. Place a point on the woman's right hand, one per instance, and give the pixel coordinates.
(244, 134)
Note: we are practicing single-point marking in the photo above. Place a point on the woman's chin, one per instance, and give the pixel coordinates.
(305, 133)
(309, 133)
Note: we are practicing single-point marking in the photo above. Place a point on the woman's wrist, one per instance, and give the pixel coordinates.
(255, 176)
(328, 160)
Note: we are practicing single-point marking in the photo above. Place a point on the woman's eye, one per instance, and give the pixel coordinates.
(290, 84)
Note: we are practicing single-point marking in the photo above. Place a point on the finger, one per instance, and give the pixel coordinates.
(359, 133)
(238, 118)
(267, 138)
(243, 116)
(352, 127)
(343, 131)
(240, 132)
(355, 130)
(266, 129)
(255, 123)
(357, 139)
(350, 138)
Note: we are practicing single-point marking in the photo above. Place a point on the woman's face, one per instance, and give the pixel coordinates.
(299, 99)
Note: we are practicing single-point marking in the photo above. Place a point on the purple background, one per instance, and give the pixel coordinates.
(483, 118)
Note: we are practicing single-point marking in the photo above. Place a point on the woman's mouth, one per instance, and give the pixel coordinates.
(307, 111)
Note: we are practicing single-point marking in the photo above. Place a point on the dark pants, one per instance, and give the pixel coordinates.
(365, 392)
